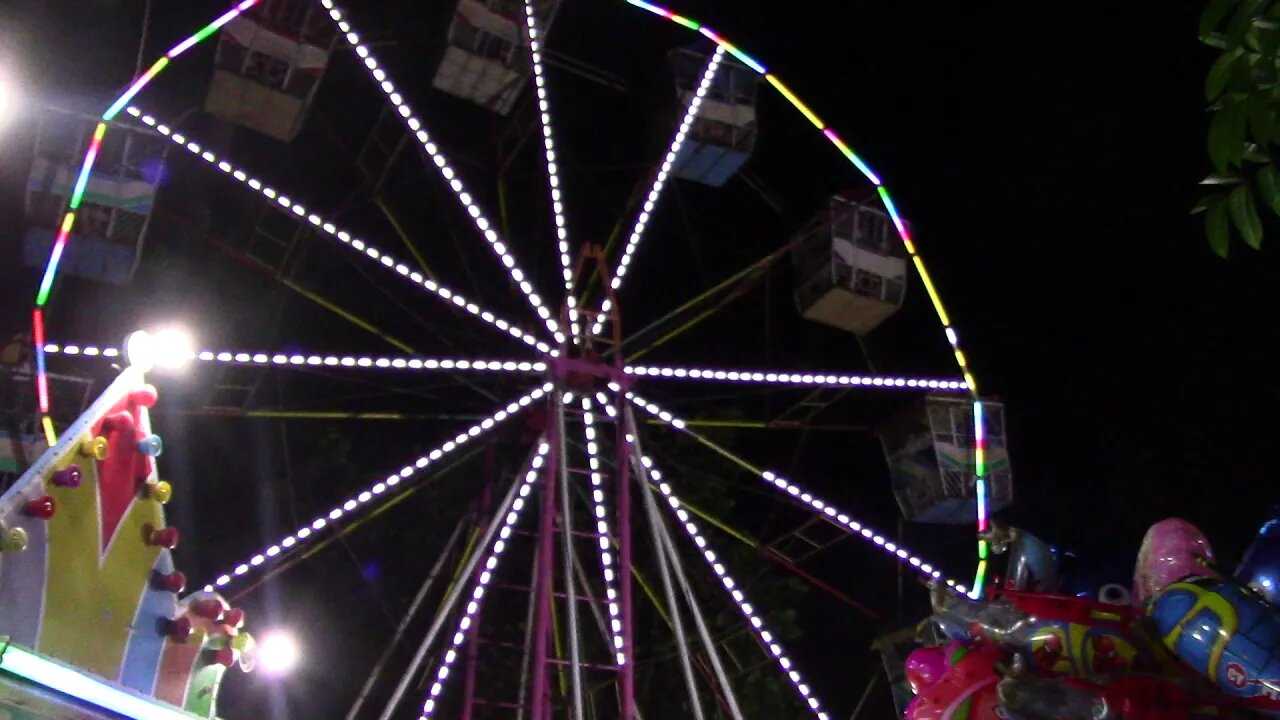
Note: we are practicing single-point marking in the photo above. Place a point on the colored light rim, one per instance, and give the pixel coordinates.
(980, 484)
(55, 676)
(143, 80)
(86, 171)
(50, 436)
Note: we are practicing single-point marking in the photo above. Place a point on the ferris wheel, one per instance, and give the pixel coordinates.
(595, 509)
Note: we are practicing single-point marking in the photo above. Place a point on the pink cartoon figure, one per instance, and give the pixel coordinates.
(1172, 550)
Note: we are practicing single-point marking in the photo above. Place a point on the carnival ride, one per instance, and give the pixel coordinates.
(578, 646)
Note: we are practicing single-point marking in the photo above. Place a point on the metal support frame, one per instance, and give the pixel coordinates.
(451, 599)
(664, 572)
(667, 548)
(540, 692)
(566, 536)
(427, 584)
(473, 633)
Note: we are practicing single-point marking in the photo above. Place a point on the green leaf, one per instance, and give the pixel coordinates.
(1254, 154)
(1222, 179)
(1269, 187)
(1220, 72)
(1217, 225)
(1206, 202)
(1226, 135)
(1262, 119)
(1245, 216)
(1241, 21)
(1268, 41)
(1214, 13)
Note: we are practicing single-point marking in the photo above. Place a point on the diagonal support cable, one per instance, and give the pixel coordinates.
(659, 182)
(328, 228)
(478, 218)
(767, 639)
(812, 502)
(533, 33)
(377, 493)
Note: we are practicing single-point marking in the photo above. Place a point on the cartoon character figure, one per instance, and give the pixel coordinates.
(1225, 632)
(926, 666)
(1172, 550)
(966, 689)
(1105, 659)
(1047, 651)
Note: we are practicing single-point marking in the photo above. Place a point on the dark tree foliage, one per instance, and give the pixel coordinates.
(1243, 91)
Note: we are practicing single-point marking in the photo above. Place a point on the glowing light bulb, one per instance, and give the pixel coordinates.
(278, 653)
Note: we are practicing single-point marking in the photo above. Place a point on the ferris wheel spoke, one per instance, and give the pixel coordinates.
(511, 513)
(534, 33)
(655, 480)
(659, 182)
(303, 214)
(396, 362)
(797, 494)
(603, 533)
(478, 218)
(802, 379)
(379, 492)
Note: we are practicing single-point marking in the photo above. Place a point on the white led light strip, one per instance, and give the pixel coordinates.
(748, 611)
(831, 513)
(482, 582)
(348, 361)
(87, 350)
(446, 171)
(367, 497)
(343, 236)
(659, 182)
(794, 378)
(553, 172)
(399, 363)
(604, 535)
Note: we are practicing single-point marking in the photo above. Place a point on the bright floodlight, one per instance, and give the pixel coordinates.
(174, 349)
(8, 100)
(169, 349)
(277, 653)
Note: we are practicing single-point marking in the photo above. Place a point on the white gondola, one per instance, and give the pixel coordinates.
(268, 66)
(486, 61)
(931, 460)
(849, 268)
(112, 222)
(723, 135)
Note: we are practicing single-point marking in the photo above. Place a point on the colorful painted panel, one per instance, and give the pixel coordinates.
(87, 576)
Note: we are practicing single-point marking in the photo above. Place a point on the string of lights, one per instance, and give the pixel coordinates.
(241, 357)
(379, 491)
(532, 32)
(811, 501)
(77, 197)
(953, 337)
(485, 577)
(328, 228)
(659, 182)
(793, 378)
(450, 176)
(603, 533)
(733, 587)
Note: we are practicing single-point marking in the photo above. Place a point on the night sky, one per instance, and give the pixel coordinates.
(1047, 166)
